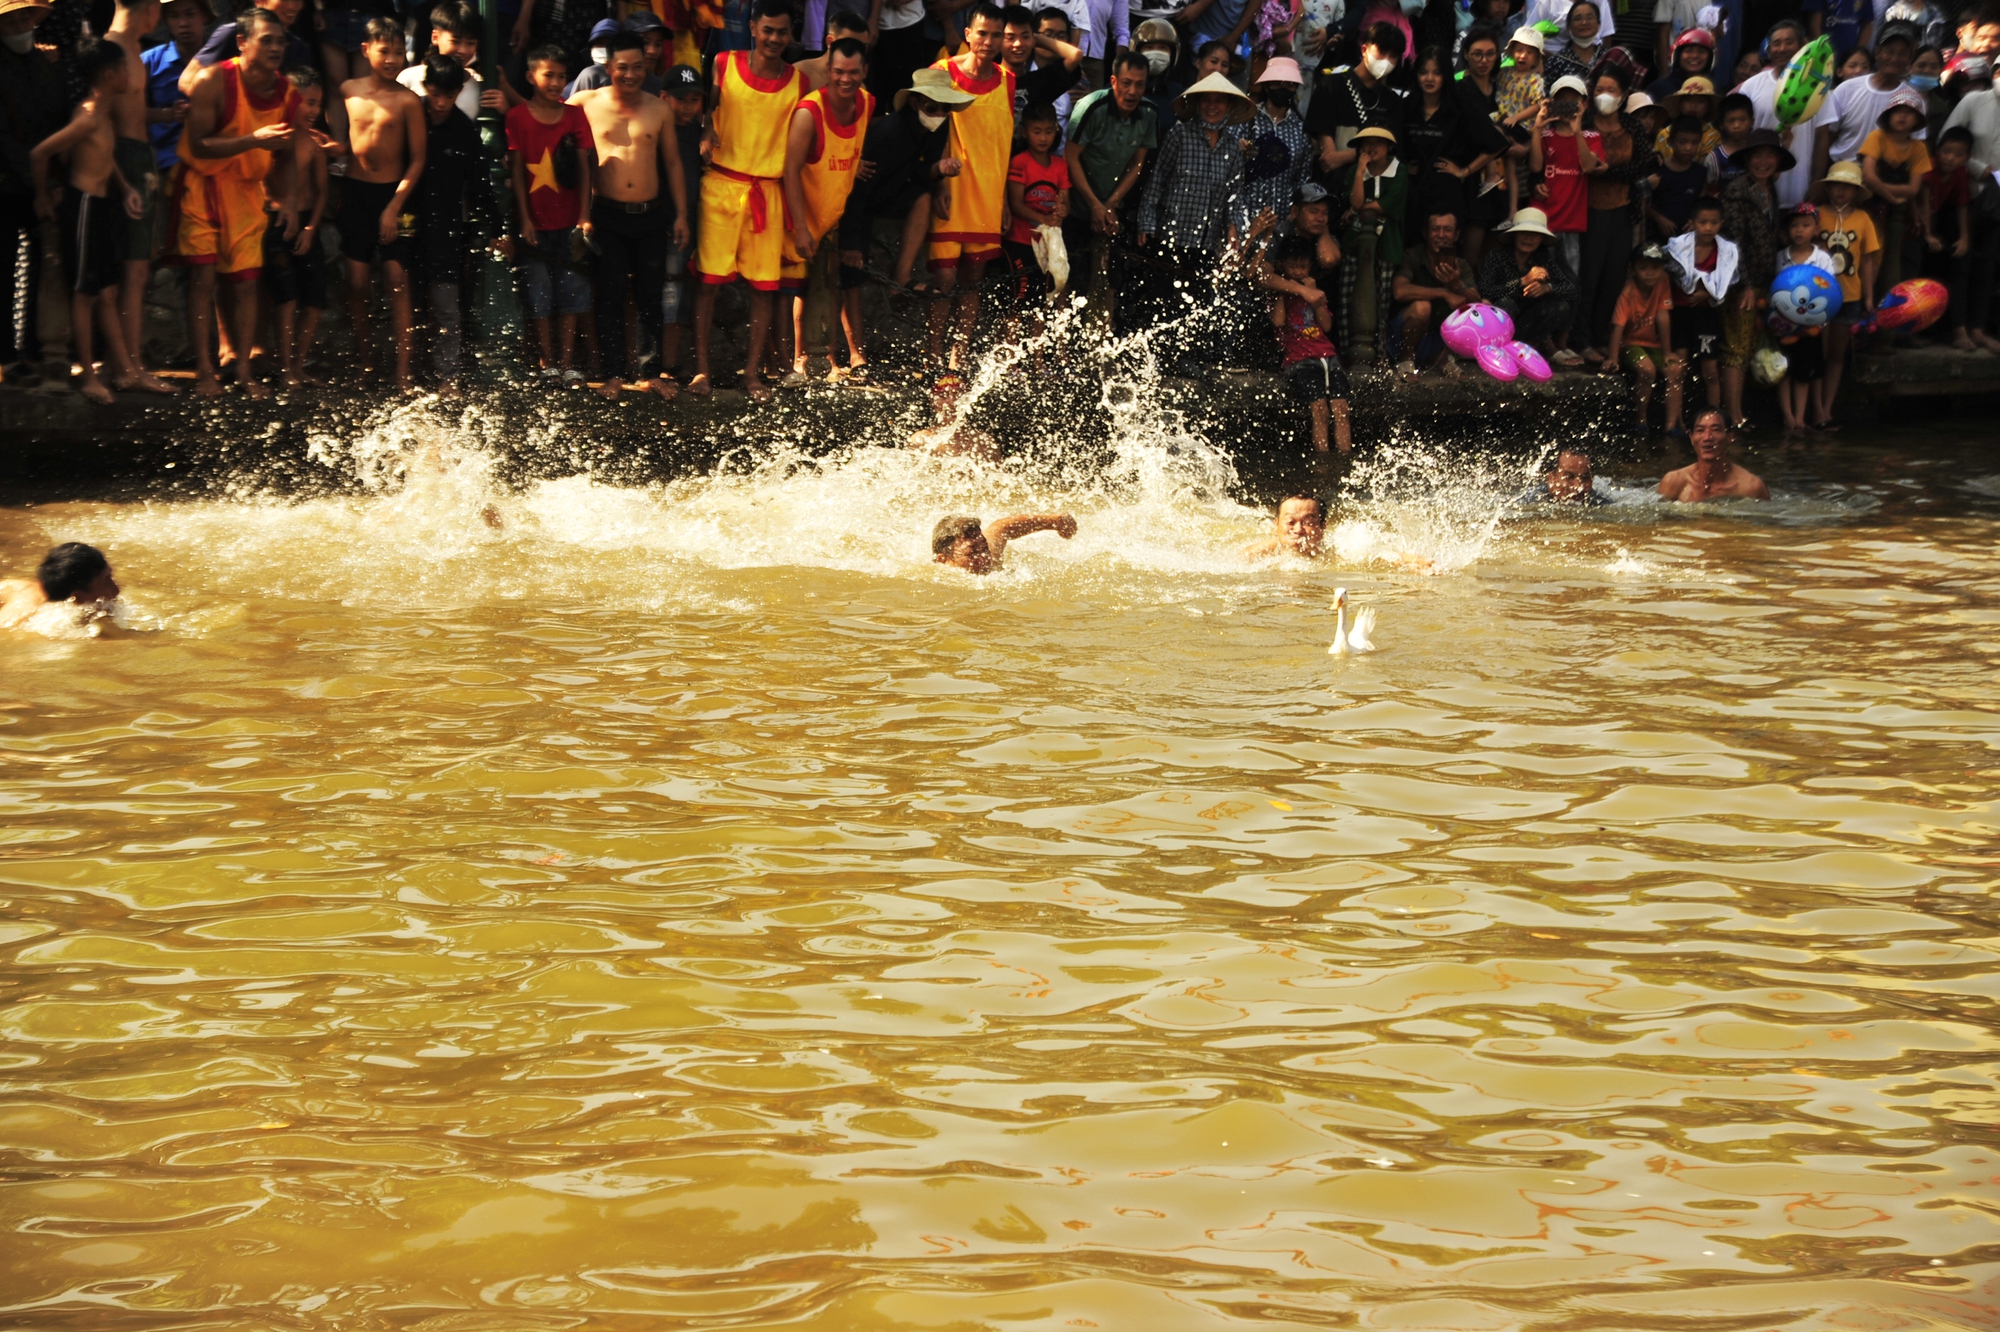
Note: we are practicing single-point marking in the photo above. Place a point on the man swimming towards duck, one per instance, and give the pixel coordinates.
(966, 543)
(1298, 529)
(69, 572)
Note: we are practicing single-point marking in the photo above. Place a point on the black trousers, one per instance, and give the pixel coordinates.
(631, 257)
(20, 280)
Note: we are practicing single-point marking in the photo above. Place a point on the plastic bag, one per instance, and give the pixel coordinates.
(1053, 256)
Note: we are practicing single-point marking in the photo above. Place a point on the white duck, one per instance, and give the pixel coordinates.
(1347, 640)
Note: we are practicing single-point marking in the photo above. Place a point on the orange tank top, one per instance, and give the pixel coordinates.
(753, 118)
(982, 138)
(828, 177)
(244, 113)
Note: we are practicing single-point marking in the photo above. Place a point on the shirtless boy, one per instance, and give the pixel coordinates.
(1711, 475)
(385, 137)
(69, 572)
(130, 22)
(966, 543)
(239, 112)
(90, 212)
(631, 222)
(1298, 529)
(294, 263)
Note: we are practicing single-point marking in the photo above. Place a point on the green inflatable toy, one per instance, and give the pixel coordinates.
(1802, 87)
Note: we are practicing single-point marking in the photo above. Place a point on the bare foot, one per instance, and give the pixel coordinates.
(90, 386)
(255, 391)
(1963, 342)
(757, 390)
(665, 387)
(145, 383)
(699, 386)
(207, 386)
(610, 388)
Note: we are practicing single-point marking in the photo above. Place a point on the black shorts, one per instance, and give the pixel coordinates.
(93, 240)
(292, 277)
(1697, 330)
(361, 205)
(1805, 359)
(1317, 380)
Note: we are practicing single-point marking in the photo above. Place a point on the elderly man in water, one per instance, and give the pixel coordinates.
(1711, 475)
(69, 572)
(1570, 481)
(1299, 528)
(978, 548)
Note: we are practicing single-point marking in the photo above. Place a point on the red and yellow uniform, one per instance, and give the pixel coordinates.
(219, 202)
(742, 196)
(982, 139)
(828, 177)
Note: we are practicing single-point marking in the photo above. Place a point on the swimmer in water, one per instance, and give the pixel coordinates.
(1711, 475)
(1298, 529)
(69, 572)
(965, 543)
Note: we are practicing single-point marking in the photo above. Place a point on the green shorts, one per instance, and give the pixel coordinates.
(136, 164)
(1634, 357)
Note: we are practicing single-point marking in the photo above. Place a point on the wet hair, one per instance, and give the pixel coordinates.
(460, 20)
(621, 41)
(985, 9)
(1313, 500)
(848, 46)
(1957, 134)
(96, 57)
(1734, 102)
(305, 77)
(1386, 38)
(442, 74)
(1680, 125)
(1707, 203)
(1041, 113)
(774, 9)
(1018, 16)
(948, 531)
(71, 567)
(1700, 413)
(547, 54)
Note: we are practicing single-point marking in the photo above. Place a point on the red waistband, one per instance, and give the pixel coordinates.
(760, 213)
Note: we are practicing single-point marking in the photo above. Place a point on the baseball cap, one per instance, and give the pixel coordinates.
(681, 79)
(1310, 193)
(1899, 30)
(605, 28)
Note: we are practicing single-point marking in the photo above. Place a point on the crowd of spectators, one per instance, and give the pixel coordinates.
(1313, 185)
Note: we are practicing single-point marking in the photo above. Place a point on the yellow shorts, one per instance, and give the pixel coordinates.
(728, 243)
(948, 253)
(220, 221)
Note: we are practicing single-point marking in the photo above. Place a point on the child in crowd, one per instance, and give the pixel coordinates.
(687, 97)
(1562, 153)
(452, 199)
(1704, 268)
(1681, 179)
(90, 212)
(1735, 116)
(1376, 192)
(1312, 365)
(1893, 165)
(548, 153)
(1847, 234)
(1641, 333)
(1037, 196)
(1946, 208)
(385, 131)
(1805, 350)
(294, 262)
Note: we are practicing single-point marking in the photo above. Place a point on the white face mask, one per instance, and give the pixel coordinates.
(929, 121)
(1379, 67)
(20, 43)
(600, 55)
(1157, 62)
(1606, 103)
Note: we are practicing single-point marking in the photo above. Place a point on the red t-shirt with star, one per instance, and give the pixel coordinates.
(550, 206)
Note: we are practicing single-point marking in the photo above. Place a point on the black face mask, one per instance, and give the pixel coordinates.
(1281, 95)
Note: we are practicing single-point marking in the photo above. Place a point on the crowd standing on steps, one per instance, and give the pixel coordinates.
(1312, 189)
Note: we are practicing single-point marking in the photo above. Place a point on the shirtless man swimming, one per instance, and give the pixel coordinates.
(630, 224)
(1711, 475)
(386, 137)
(965, 543)
(69, 572)
(1298, 529)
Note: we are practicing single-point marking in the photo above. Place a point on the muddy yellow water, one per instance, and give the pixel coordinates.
(689, 908)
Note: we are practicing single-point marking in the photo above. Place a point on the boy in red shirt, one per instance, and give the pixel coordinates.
(1037, 196)
(1562, 152)
(549, 150)
(1312, 366)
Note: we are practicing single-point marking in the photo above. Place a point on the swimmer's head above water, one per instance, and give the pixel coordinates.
(76, 572)
(978, 548)
(1298, 528)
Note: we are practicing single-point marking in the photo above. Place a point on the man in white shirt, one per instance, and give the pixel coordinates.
(1979, 112)
(1786, 37)
(1850, 111)
(455, 30)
